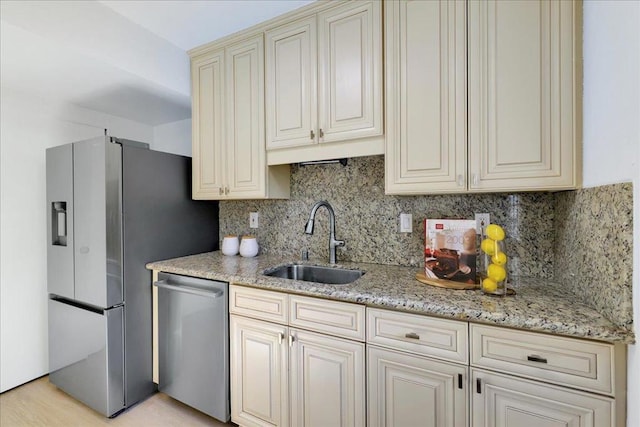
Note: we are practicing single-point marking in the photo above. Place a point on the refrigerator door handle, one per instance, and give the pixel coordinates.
(164, 284)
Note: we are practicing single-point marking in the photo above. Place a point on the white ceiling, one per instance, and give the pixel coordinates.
(125, 58)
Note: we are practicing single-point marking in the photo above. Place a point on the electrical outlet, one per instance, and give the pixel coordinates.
(482, 220)
(253, 220)
(406, 223)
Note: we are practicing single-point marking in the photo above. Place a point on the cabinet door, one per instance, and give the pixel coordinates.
(259, 360)
(291, 60)
(407, 390)
(426, 66)
(499, 400)
(523, 71)
(246, 157)
(207, 104)
(327, 381)
(350, 71)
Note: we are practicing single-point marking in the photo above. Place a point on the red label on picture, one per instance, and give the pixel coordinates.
(439, 226)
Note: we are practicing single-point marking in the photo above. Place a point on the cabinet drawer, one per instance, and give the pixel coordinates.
(341, 319)
(259, 304)
(444, 339)
(565, 361)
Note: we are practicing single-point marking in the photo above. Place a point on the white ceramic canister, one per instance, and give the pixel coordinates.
(248, 246)
(230, 245)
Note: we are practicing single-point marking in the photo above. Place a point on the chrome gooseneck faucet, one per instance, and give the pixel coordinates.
(333, 243)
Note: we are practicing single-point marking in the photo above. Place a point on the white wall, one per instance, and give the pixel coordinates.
(173, 137)
(612, 129)
(29, 126)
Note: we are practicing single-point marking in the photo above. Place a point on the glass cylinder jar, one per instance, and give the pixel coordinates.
(493, 266)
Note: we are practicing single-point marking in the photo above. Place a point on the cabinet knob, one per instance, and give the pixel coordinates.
(280, 337)
(460, 180)
(312, 135)
(221, 191)
(321, 133)
(226, 190)
(291, 340)
(475, 179)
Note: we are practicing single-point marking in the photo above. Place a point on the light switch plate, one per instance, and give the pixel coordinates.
(406, 223)
(482, 220)
(253, 219)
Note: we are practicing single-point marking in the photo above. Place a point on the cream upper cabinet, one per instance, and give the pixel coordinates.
(292, 106)
(524, 77)
(229, 154)
(426, 74)
(500, 113)
(207, 103)
(324, 85)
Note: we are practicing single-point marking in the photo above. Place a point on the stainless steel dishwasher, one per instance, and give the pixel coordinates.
(193, 342)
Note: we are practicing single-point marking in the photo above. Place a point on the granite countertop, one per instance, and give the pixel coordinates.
(537, 306)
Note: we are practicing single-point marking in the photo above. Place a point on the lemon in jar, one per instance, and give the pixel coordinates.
(489, 285)
(488, 246)
(496, 272)
(499, 258)
(495, 232)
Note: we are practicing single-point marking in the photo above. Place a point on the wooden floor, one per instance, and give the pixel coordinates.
(40, 403)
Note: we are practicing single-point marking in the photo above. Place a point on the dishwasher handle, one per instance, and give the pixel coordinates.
(164, 284)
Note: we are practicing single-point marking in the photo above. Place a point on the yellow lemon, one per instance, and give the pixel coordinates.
(500, 258)
(494, 232)
(488, 246)
(489, 285)
(496, 272)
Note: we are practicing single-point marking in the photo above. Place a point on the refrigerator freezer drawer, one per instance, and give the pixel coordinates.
(193, 343)
(86, 354)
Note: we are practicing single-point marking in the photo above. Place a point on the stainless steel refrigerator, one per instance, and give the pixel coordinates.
(113, 205)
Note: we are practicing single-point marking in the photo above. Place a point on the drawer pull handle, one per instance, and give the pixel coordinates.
(291, 340)
(412, 335)
(280, 337)
(478, 386)
(535, 358)
(460, 381)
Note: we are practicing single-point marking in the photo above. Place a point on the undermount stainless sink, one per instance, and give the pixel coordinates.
(314, 273)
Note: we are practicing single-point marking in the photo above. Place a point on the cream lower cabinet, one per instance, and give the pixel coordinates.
(524, 378)
(500, 400)
(283, 375)
(417, 370)
(409, 390)
(326, 380)
(482, 96)
(229, 157)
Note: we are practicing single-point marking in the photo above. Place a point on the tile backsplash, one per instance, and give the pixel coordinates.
(581, 240)
(594, 247)
(368, 220)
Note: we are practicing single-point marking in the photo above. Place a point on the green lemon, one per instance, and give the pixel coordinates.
(496, 272)
(495, 232)
(488, 246)
(489, 285)
(500, 258)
